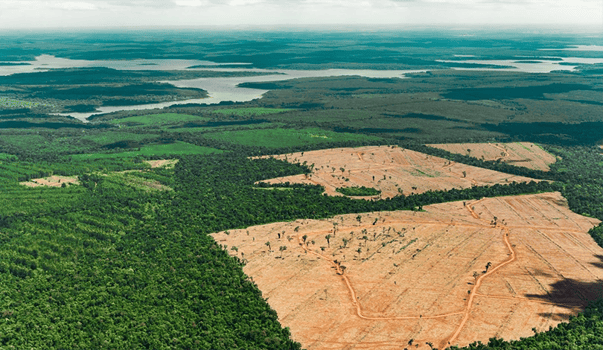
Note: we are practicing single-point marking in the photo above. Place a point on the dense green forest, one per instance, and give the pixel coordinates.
(123, 258)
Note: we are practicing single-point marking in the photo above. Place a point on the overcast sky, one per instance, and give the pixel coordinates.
(119, 13)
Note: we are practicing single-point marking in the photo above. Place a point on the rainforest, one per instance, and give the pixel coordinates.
(317, 189)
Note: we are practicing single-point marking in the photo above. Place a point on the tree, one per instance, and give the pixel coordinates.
(282, 249)
(305, 237)
(488, 266)
(359, 218)
(328, 238)
(475, 275)
(268, 245)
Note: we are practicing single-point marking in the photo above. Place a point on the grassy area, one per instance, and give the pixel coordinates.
(176, 148)
(251, 111)
(163, 118)
(224, 127)
(39, 144)
(13, 103)
(286, 137)
(116, 136)
(6, 156)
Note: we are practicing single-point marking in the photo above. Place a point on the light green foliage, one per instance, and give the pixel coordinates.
(246, 112)
(286, 137)
(163, 118)
(6, 156)
(177, 148)
(13, 103)
(202, 129)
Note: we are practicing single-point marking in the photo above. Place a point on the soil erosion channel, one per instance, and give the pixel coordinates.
(455, 273)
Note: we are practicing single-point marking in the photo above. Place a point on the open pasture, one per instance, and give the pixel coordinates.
(453, 274)
(250, 111)
(158, 119)
(525, 154)
(391, 170)
(280, 137)
(176, 148)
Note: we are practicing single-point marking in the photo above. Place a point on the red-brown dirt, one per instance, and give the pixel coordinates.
(524, 154)
(385, 278)
(52, 181)
(392, 170)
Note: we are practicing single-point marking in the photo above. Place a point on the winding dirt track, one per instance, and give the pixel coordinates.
(384, 279)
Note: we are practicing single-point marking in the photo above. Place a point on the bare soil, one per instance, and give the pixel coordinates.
(162, 163)
(524, 154)
(52, 181)
(384, 279)
(392, 170)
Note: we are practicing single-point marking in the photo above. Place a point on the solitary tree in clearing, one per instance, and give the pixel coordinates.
(359, 218)
(475, 275)
(488, 266)
(282, 249)
(268, 245)
(304, 237)
(328, 237)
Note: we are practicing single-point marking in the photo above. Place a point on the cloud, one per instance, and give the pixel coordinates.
(191, 3)
(86, 13)
(75, 5)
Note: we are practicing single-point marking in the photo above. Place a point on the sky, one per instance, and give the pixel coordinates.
(18, 14)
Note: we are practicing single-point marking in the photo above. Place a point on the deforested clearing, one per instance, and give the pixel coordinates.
(162, 163)
(453, 274)
(51, 181)
(524, 154)
(389, 169)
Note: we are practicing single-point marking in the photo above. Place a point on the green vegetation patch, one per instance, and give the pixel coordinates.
(6, 156)
(14, 103)
(177, 148)
(358, 191)
(276, 138)
(116, 136)
(251, 111)
(163, 118)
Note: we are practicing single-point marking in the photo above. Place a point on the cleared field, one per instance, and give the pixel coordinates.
(162, 163)
(391, 170)
(115, 136)
(175, 148)
(163, 118)
(246, 112)
(51, 181)
(525, 154)
(455, 273)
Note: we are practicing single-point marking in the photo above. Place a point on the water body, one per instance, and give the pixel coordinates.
(44, 63)
(226, 89)
(537, 65)
(578, 48)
